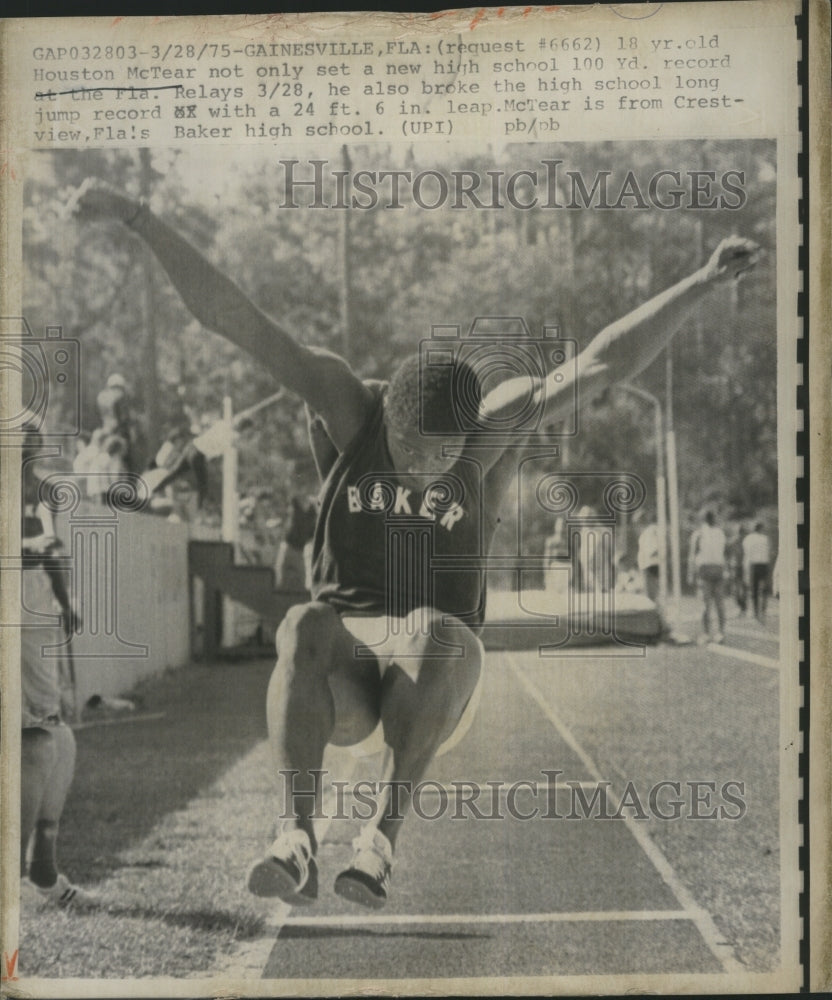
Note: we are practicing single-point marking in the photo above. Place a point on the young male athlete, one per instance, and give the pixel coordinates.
(408, 506)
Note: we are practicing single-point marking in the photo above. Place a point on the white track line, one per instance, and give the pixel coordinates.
(711, 935)
(743, 654)
(580, 916)
(249, 960)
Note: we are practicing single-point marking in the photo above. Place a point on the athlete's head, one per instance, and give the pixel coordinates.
(420, 414)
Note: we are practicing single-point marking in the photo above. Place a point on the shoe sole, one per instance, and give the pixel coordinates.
(357, 892)
(269, 880)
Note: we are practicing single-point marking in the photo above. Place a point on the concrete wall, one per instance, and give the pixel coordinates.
(130, 579)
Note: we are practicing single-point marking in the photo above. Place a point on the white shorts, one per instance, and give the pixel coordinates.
(375, 633)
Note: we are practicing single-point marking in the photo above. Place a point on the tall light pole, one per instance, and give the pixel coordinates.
(230, 503)
(230, 499)
(230, 494)
(346, 269)
(673, 493)
(150, 366)
(661, 481)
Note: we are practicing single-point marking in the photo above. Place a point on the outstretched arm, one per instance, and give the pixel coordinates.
(626, 347)
(322, 379)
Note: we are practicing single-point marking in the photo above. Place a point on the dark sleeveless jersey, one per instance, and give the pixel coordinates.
(384, 548)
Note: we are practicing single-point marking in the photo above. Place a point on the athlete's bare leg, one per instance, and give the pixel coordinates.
(424, 692)
(318, 694)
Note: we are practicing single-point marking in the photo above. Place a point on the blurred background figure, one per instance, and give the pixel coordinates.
(707, 566)
(648, 560)
(587, 553)
(756, 564)
(556, 554)
(82, 462)
(292, 569)
(114, 409)
(736, 565)
(112, 461)
(178, 477)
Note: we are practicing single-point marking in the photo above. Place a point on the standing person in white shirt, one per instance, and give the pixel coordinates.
(756, 558)
(707, 564)
(648, 560)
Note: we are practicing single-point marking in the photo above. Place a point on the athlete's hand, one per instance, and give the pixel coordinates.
(733, 257)
(96, 200)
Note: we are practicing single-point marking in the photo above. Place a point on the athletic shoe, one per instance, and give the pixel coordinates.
(65, 895)
(367, 879)
(288, 871)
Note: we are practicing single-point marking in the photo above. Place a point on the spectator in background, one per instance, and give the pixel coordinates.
(115, 464)
(116, 417)
(775, 578)
(292, 569)
(648, 560)
(47, 749)
(648, 564)
(556, 556)
(736, 560)
(107, 464)
(91, 460)
(179, 468)
(756, 562)
(588, 554)
(707, 565)
(84, 456)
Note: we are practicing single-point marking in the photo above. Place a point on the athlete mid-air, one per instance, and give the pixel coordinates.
(390, 635)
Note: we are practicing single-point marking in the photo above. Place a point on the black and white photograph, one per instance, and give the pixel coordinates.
(406, 595)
